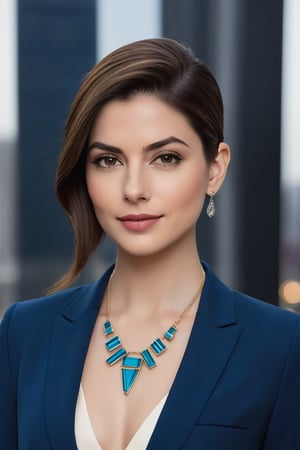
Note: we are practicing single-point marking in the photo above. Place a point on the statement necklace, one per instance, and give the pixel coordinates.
(132, 362)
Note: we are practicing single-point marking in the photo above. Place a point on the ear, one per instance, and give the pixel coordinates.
(218, 169)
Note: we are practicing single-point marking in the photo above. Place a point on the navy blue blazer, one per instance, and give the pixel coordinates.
(237, 388)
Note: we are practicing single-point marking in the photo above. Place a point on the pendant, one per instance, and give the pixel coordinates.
(131, 367)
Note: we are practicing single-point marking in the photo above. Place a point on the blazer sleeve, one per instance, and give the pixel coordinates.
(284, 427)
(8, 383)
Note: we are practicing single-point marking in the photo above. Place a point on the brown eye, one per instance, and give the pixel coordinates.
(106, 161)
(168, 159)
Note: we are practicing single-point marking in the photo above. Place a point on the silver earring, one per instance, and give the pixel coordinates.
(210, 211)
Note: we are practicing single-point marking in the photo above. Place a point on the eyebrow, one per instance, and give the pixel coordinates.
(163, 142)
(149, 147)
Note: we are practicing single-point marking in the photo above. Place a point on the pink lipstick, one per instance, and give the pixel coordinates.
(138, 222)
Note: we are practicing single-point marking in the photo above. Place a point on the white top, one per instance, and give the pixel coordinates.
(86, 438)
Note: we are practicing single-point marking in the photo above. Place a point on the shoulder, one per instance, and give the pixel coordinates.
(263, 314)
(45, 306)
(28, 325)
(74, 300)
(258, 319)
(36, 315)
(29, 320)
(268, 323)
(270, 331)
(270, 342)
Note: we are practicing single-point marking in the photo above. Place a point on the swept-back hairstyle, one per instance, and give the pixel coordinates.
(160, 67)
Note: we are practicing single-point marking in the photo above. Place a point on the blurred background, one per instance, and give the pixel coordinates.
(252, 47)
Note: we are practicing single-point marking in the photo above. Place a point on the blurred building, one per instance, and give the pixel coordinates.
(253, 242)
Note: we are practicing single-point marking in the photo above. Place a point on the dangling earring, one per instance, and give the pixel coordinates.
(210, 211)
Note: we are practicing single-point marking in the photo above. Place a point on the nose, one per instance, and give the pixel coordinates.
(136, 187)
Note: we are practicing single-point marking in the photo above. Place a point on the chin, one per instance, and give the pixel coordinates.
(150, 246)
(139, 252)
(150, 250)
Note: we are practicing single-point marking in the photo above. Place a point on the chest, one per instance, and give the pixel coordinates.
(103, 385)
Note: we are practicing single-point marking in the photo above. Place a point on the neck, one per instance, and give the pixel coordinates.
(153, 284)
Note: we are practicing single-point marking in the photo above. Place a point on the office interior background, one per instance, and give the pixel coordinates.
(252, 47)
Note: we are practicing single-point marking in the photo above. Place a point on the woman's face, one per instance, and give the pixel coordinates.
(146, 174)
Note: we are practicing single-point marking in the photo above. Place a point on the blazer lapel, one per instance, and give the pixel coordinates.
(213, 338)
(71, 335)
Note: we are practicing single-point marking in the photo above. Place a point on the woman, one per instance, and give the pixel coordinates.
(157, 353)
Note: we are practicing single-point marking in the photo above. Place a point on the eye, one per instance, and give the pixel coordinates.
(168, 159)
(106, 161)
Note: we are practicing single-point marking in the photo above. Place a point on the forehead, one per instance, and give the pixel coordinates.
(140, 115)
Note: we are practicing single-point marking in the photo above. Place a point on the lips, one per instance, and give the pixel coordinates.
(138, 222)
(137, 217)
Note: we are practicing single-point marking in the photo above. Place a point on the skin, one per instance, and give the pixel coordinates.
(145, 158)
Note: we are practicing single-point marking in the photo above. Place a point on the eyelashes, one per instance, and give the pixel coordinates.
(106, 161)
(166, 159)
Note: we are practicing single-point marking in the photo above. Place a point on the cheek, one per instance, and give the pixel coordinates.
(97, 192)
(190, 192)
(91, 188)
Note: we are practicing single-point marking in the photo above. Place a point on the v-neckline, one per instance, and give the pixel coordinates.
(144, 431)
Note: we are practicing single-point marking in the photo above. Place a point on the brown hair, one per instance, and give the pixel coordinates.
(160, 67)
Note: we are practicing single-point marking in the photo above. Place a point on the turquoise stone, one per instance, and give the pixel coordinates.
(113, 359)
(130, 370)
(170, 333)
(108, 329)
(132, 361)
(147, 357)
(113, 343)
(158, 346)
